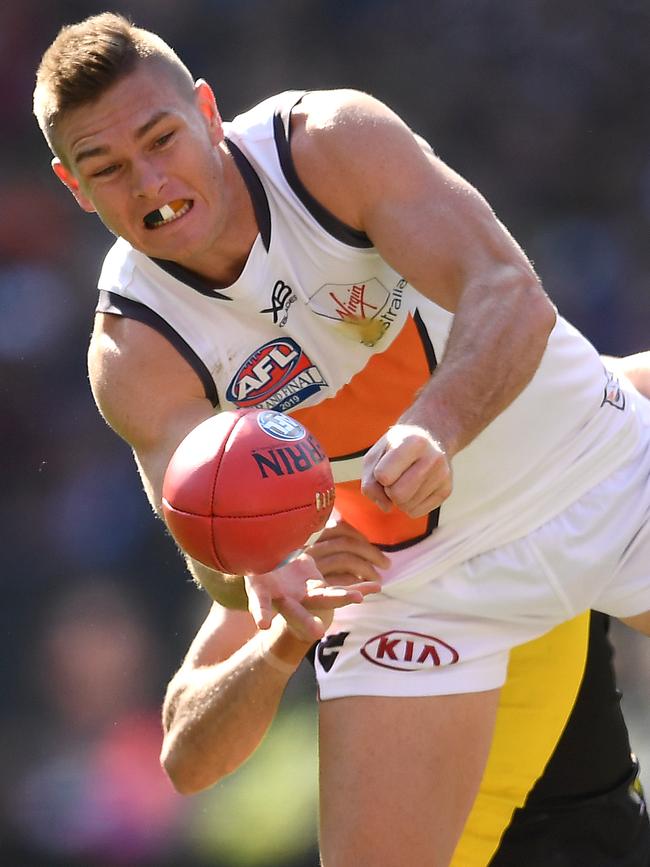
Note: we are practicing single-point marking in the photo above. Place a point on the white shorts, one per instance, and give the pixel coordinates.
(452, 634)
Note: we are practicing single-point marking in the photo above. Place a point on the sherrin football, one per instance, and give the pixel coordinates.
(245, 489)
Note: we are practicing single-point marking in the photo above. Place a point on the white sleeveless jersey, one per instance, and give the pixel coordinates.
(319, 326)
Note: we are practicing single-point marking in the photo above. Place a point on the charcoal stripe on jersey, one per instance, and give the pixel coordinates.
(256, 191)
(111, 302)
(336, 228)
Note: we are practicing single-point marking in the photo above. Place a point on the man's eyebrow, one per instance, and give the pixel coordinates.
(90, 152)
(144, 129)
(102, 150)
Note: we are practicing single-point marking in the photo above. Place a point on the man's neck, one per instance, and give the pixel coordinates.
(222, 265)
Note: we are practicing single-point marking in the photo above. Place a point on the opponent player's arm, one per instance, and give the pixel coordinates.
(225, 695)
(364, 164)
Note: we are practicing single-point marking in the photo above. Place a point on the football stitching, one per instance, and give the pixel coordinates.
(242, 517)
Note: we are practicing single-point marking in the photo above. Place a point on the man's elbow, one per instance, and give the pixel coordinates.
(530, 303)
(187, 773)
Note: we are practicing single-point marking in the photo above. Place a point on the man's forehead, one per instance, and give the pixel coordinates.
(131, 107)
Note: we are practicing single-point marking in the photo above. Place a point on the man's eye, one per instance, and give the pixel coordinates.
(109, 170)
(159, 142)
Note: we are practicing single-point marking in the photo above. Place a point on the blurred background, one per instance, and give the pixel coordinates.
(544, 105)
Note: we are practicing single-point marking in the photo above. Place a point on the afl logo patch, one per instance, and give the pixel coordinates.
(279, 426)
(408, 651)
(278, 375)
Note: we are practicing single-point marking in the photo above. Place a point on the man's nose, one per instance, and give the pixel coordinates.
(147, 180)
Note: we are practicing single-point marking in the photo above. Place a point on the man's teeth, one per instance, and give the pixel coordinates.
(167, 213)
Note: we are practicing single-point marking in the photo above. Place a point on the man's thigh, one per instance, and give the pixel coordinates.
(399, 775)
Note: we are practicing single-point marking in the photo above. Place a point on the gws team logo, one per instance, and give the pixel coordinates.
(328, 649)
(408, 651)
(282, 297)
(281, 427)
(367, 308)
(278, 375)
(613, 395)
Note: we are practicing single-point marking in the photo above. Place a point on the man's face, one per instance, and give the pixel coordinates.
(146, 158)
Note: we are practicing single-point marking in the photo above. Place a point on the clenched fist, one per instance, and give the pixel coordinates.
(409, 469)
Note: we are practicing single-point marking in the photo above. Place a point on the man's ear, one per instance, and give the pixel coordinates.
(207, 105)
(66, 177)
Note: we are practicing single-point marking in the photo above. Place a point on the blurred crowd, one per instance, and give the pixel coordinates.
(542, 104)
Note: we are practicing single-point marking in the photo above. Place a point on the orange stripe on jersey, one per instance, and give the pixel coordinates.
(360, 413)
(390, 531)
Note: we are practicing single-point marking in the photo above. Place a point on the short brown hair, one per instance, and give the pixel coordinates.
(87, 58)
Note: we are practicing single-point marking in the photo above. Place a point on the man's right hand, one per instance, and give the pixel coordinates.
(299, 592)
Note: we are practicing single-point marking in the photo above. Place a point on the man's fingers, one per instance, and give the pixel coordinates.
(337, 597)
(332, 597)
(393, 464)
(371, 488)
(343, 578)
(307, 626)
(259, 603)
(419, 499)
(340, 528)
(420, 473)
(410, 467)
(354, 545)
(366, 588)
(340, 563)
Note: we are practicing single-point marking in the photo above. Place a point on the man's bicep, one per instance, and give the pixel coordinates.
(363, 163)
(435, 228)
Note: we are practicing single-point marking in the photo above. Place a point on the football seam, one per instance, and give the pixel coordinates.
(242, 517)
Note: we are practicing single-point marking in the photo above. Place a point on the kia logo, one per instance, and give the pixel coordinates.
(408, 651)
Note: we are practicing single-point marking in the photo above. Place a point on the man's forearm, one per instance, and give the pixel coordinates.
(487, 361)
(215, 716)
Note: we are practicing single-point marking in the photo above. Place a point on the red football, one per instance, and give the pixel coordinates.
(244, 489)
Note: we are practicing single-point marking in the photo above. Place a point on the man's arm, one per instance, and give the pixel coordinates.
(224, 697)
(364, 164)
(152, 398)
